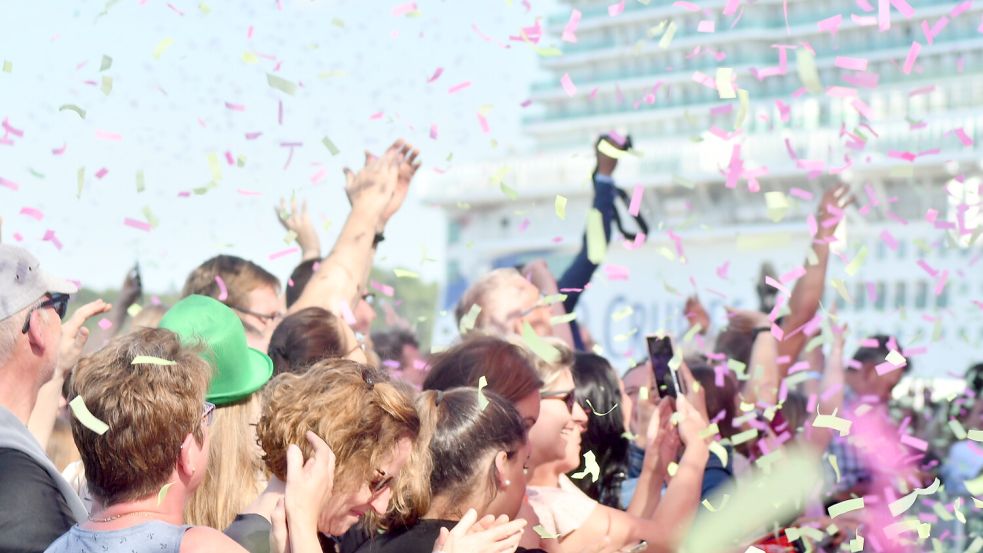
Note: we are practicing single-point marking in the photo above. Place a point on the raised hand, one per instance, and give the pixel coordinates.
(373, 189)
(407, 169)
(490, 535)
(299, 223)
(132, 288)
(696, 314)
(746, 320)
(828, 216)
(74, 335)
(662, 440)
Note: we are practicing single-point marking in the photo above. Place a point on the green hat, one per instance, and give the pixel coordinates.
(239, 369)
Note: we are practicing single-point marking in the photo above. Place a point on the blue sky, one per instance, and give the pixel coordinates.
(167, 113)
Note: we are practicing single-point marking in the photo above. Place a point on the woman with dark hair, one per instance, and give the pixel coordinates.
(478, 454)
(306, 337)
(600, 392)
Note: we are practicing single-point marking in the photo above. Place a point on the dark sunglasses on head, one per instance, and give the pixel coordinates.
(568, 397)
(56, 301)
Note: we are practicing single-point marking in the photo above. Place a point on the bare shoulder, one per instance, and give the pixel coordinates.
(201, 539)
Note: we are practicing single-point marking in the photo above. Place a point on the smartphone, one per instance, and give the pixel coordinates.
(667, 381)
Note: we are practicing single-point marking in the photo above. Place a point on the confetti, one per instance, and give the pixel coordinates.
(163, 492)
(909, 61)
(105, 324)
(281, 84)
(846, 506)
(107, 85)
(725, 85)
(436, 75)
(468, 320)
(560, 207)
(6, 183)
(72, 107)
(223, 292)
(594, 410)
(596, 242)
(590, 468)
(537, 345)
(162, 47)
(568, 85)
(106, 63)
(616, 9)
(403, 273)
(282, 253)
(86, 418)
(543, 533)
(404, 9)
(137, 224)
(458, 87)
(808, 74)
(901, 505)
(666, 39)
(330, 146)
(854, 266)
(482, 400)
(151, 360)
(569, 31)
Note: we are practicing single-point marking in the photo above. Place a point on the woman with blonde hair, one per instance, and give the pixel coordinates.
(234, 476)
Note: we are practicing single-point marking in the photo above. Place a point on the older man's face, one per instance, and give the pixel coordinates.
(530, 310)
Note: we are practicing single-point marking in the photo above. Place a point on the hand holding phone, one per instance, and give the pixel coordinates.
(667, 381)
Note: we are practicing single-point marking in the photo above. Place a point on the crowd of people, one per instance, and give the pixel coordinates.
(255, 416)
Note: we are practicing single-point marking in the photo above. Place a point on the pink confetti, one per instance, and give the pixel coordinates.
(909, 62)
(568, 85)
(963, 137)
(636, 200)
(436, 75)
(854, 64)
(281, 253)
(883, 15)
(616, 9)
(319, 176)
(49, 236)
(862, 108)
(800, 194)
(831, 24)
(458, 87)
(9, 184)
(731, 9)
(253, 135)
(229, 159)
(484, 124)
(14, 131)
(914, 442)
(279, 112)
(244, 192)
(59, 151)
(105, 324)
(722, 270)
(706, 26)
(110, 136)
(223, 292)
(137, 224)
(235, 107)
(902, 6)
(376, 116)
(404, 9)
(433, 131)
(889, 240)
(688, 6)
(931, 33)
(616, 272)
(384, 289)
(102, 173)
(571, 27)
(958, 10)
(31, 212)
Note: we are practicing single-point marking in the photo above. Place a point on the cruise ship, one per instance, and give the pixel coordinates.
(741, 113)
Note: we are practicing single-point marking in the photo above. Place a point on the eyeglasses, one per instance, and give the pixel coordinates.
(59, 302)
(567, 397)
(369, 298)
(380, 482)
(208, 413)
(266, 317)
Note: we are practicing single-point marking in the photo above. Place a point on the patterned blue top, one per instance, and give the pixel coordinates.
(151, 537)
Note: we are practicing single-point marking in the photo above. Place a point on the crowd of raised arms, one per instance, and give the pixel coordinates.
(255, 416)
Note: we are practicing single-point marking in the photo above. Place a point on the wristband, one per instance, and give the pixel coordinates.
(379, 237)
(759, 330)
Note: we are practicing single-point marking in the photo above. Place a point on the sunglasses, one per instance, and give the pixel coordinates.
(568, 397)
(266, 317)
(59, 302)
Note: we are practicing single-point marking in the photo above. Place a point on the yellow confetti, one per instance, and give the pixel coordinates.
(214, 167)
(725, 85)
(163, 492)
(975, 435)
(543, 533)
(330, 146)
(468, 320)
(666, 39)
(957, 507)
(611, 150)
(560, 206)
(151, 360)
(778, 205)
(643, 393)
(720, 451)
(107, 85)
(741, 437)
(8, 66)
(857, 544)
(975, 486)
(562, 319)
(596, 243)
(672, 468)
(806, 65)
(482, 400)
(281, 84)
(742, 110)
(590, 468)
(539, 346)
(841, 425)
(162, 46)
(403, 273)
(72, 107)
(85, 417)
(106, 63)
(599, 414)
(847, 506)
(141, 186)
(902, 504)
(249, 57)
(854, 266)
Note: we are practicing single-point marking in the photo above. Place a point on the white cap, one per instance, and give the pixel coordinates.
(22, 281)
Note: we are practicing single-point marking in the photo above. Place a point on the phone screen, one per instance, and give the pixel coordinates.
(660, 352)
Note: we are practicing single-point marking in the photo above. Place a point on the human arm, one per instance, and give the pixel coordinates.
(831, 390)
(35, 512)
(765, 376)
(73, 339)
(376, 193)
(129, 294)
(808, 291)
(539, 275)
(309, 485)
(662, 445)
(298, 223)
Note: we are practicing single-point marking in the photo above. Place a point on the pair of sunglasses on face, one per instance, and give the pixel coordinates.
(56, 301)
